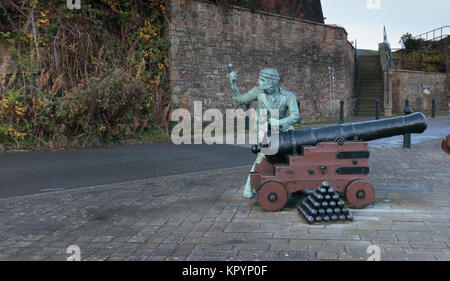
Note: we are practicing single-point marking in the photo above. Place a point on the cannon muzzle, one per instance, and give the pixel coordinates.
(292, 142)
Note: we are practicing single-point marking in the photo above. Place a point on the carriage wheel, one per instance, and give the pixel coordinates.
(359, 194)
(445, 147)
(272, 196)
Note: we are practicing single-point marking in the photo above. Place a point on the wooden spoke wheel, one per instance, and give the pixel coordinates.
(359, 194)
(272, 196)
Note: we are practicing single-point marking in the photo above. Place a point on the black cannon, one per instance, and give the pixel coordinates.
(292, 143)
(338, 154)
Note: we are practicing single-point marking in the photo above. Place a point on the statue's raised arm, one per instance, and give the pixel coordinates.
(247, 98)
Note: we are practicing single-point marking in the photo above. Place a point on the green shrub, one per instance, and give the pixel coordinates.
(95, 75)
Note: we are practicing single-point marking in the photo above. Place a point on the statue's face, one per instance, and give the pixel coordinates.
(265, 84)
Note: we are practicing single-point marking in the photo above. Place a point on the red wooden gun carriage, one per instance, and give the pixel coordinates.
(338, 154)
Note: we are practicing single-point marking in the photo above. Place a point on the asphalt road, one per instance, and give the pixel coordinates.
(23, 173)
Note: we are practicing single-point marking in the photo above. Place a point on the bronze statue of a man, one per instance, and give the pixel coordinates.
(270, 96)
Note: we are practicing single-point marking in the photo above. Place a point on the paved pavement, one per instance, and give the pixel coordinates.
(201, 216)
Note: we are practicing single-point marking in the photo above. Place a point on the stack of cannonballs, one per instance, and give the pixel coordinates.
(324, 205)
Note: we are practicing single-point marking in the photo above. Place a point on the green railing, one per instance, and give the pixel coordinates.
(435, 34)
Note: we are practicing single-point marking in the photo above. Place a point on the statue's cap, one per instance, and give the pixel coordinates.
(271, 73)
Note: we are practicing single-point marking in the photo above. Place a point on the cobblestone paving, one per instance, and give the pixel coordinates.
(202, 217)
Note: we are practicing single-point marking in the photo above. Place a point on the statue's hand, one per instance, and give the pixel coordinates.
(274, 122)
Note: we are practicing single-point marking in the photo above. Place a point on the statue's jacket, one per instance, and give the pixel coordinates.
(281, 99)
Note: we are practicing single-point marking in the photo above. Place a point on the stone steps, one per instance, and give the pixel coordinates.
(370, 75)
(371, 85)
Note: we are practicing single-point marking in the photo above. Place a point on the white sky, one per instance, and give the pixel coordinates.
(364, 19)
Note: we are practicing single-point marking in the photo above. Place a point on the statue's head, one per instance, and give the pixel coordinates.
(268, 79)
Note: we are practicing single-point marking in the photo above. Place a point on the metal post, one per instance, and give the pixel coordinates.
(407, 137)
(247, 119)
(341, 115)
(433, 108)
(407, 141)
(357, 79)
(377, 112)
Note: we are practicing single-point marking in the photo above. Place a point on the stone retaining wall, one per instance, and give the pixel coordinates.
(315, 61)
(409, 85)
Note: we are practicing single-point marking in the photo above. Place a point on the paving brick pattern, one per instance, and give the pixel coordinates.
(203, 217)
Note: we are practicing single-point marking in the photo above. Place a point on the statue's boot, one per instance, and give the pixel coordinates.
(249, 193)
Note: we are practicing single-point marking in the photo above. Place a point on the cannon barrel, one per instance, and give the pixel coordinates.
(290, 142)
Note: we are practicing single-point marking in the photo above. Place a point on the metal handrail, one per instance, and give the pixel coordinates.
(387, 48)
(435, 38)
(357, 79)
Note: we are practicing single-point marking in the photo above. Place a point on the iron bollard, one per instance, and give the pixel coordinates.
(407, 137)
(433, 108)
(377, 111)
(341, 115)
(247, 119)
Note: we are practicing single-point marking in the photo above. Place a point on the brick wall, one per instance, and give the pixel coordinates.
(408, 85)
(315, 61)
